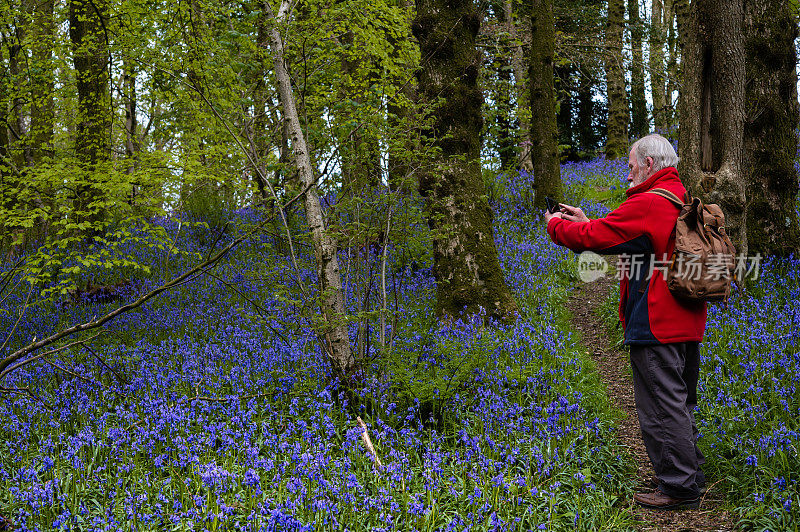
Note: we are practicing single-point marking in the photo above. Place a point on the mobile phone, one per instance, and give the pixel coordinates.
(552, 205)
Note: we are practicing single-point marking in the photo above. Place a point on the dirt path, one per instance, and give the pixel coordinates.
(614, 368)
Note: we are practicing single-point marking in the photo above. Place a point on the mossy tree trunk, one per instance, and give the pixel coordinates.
(401, 157)
(260, 141)
(42, 78)
(617, 133)
(16, 118)
(544, 132)
(131, 120)
(712, 107)
(640, 125)
(89, 38)
(90, 58)
(770, 141)
(8, 179)
(358, 146)
(466, 265)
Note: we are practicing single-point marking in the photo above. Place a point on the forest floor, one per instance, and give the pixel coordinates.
(614, 368)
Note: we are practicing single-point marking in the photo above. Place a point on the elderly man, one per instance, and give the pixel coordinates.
(663, 333)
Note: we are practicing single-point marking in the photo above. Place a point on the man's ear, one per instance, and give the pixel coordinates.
(650, 163)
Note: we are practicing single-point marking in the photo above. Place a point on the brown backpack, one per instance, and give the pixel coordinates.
(702, 266)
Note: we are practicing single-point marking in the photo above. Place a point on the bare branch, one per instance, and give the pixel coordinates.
(103, 362)
(19, 318)
(27, 361)
(12, 361)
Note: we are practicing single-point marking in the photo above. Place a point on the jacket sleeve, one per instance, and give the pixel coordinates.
(622, 231)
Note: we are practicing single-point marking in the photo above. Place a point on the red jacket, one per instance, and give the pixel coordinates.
(641, 230)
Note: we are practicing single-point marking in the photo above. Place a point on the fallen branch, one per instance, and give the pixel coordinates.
(27, 392)
(368, 442)
(17, 358)
(25, 362)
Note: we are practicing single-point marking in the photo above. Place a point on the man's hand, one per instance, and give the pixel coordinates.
(572, 214)
(548, 215)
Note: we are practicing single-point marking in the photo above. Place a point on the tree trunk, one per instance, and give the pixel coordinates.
(261, 96)
(544, 132)
(131, 122)
(16, 119)
(640, 125)
(466, 265)
(403, 145)
(671, 73)
(587, 135)
(657, 39)
(712, 107)
(337, 339)
(566, 108)
(43, 32)
(517, 32)
(506, 146)
(617, 135)
(770, 142)
(401, 149)
(358, 146)
(90, 58)
(8, 179)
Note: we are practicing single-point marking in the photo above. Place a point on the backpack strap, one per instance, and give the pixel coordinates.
(664, 193)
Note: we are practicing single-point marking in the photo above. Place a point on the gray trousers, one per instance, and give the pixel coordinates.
(665, 388)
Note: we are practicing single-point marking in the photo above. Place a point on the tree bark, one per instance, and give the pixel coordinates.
(261, 96)
(518, 31)
(770, 142)
(544, 132)
(8, 179)
(90, 58)
(358, 146)
(506, 145)
(466, 265)
(43, 32)
(712, 107)
(671, 73)
(566, 108)
(640, 125)
(401, 148)
(337, 339)
(617, 135)
(131, 121)
(88, 35)
(657, 39)
(587, 134)
(16, 119)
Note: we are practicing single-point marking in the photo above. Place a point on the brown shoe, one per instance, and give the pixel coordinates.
(660, 501)
(654, 482)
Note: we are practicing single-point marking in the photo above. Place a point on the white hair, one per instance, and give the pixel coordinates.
(657, 148)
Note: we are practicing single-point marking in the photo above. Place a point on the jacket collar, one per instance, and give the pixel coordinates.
(655, 180)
